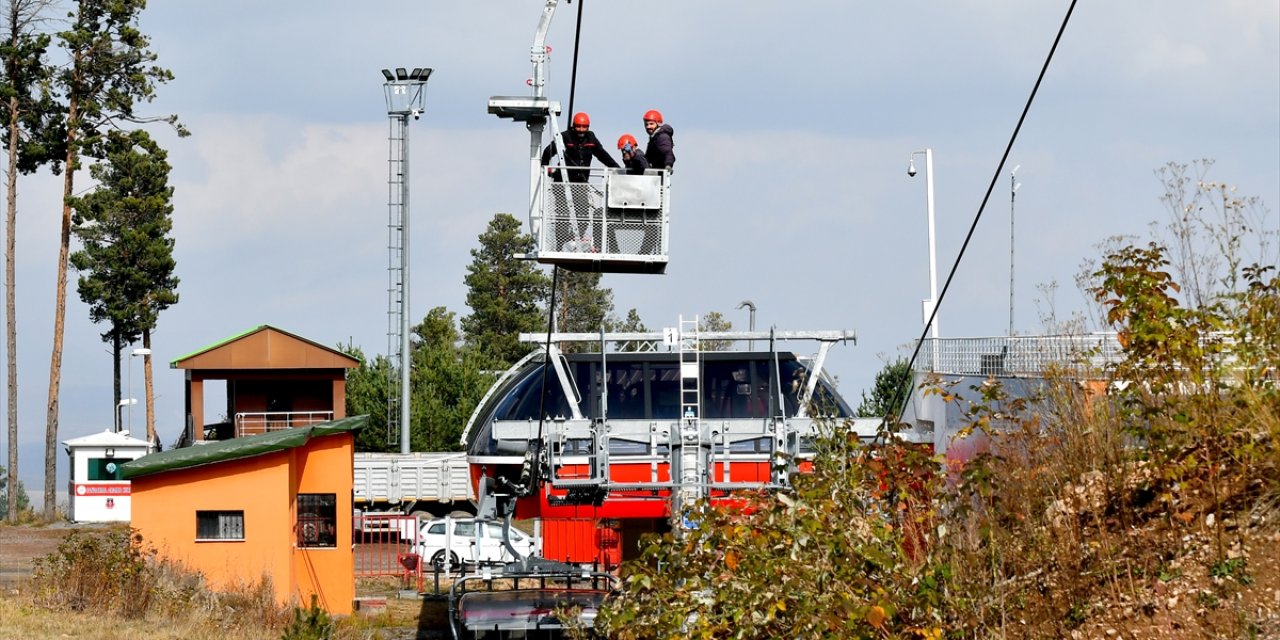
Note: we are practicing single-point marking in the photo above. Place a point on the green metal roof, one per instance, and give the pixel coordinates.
(237, 448)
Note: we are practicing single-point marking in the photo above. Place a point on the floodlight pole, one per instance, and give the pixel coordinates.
(1013, 194)
(405, 94)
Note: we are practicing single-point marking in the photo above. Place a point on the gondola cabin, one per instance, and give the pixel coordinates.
(627, 440)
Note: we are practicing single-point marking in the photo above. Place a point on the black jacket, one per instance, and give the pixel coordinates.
(660, 153)
(637, 164)
(578, 150)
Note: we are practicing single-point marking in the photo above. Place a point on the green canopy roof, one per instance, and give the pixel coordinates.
(237, 448)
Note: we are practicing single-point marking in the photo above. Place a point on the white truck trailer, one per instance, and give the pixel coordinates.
(408, 482)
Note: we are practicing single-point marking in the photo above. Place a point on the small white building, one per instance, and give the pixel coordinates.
(96, 491)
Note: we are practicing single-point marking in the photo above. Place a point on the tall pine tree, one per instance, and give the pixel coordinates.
(111, 70)
(582, 305)
(28, 111)
(127, 261)
(447, 382)
(505, 293)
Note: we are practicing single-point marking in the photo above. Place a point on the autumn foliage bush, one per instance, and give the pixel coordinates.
(1092, 494)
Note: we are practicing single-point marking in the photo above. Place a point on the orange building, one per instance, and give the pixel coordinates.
(276, 505)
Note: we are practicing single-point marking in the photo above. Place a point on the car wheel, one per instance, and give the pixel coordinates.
(438, 561)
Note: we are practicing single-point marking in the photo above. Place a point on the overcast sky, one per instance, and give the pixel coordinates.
(793, 121)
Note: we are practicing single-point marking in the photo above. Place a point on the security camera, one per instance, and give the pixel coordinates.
(911, 169)
(417, 114)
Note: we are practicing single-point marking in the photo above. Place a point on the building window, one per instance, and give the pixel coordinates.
(317, 520)
(219, 525)
(104, 469)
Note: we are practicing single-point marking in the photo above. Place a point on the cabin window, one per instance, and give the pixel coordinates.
(317, 520)
(627, 398)
(219, 525)
(104, 469)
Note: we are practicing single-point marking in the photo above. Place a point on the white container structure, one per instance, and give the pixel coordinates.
(96, 492)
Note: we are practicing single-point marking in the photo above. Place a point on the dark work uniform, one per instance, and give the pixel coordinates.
(578, 151)
(579, 148)
(637, 165)
(661, 151)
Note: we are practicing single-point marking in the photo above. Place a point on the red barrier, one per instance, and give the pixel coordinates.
(387, 545)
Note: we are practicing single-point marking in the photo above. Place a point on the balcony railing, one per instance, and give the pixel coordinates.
(249, 424)
(1018, 355)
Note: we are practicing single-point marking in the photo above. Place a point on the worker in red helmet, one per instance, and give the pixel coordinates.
(632, 157)
(660, 153)
(580, 145)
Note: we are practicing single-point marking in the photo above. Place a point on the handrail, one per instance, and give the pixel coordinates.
(249, 423)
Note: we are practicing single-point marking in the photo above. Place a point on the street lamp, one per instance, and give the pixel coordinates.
(406, 96)
(1013, 193)
(932, 407)
(140, 351)
(127, 402)
(928, 305)
(751, 322)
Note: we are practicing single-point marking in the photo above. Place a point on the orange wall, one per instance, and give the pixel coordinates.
(165, 505)
(327, 465)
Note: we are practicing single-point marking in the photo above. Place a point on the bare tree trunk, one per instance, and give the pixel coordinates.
(23, 17)
(59, 320)
(11, 323)
(115, 371)
(146, 377)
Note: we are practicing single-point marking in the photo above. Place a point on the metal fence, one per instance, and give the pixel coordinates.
(387, 546)
(1018, 355)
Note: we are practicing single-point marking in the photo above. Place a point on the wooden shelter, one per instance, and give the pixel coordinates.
(274, 380)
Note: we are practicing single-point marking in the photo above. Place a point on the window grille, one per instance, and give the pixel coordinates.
(317, 520)
(220, 525)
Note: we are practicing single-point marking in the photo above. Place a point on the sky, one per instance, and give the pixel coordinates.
(793, 126)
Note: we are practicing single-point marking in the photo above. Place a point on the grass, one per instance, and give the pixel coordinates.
(107, 583)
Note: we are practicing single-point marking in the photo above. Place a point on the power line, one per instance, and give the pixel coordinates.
(899, 403)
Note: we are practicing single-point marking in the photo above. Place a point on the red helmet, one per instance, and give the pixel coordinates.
(581, 118)
(654, 115)
(627, 139)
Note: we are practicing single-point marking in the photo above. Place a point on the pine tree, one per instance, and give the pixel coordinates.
(127, 261)
(582, 305)
(28, 111)
(447, 382)
(111, 69)
(715, 321)
(367, 395)
(505, 293)
(633, 324)
(892, 385)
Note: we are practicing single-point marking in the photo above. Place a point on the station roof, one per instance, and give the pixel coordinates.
(265, 347)
(237, 448)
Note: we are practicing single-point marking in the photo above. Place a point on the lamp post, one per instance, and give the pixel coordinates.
(406, 96)
(140, 351)
(127, 402)
(751, 320)
(929, 305)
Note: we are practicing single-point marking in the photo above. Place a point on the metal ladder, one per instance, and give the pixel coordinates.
(395, 271)
(692, 445)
